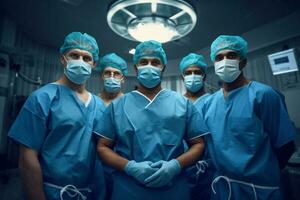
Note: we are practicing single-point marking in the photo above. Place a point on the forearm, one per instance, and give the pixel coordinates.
(193, 154)
(109, 157)
(31, 175)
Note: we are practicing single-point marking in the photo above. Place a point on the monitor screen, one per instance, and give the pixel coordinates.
(283, 62)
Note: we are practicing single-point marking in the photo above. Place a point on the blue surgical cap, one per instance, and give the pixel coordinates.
(193, 60)
(113, 60)
(149, 48)
(229, 42)
(77, 40)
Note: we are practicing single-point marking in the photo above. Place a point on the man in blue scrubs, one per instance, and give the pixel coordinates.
(251, 133)
(193, 69)
(146, 128)
(54, 130)
(113, 71)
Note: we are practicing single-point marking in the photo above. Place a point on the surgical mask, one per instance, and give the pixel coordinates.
(78, 71)
(228, 70)
(149, 76)
(112, 85)
(193, 82)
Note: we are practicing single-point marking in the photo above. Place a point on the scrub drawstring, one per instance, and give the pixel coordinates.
(229, 181)
(71, 191)
(201, 166)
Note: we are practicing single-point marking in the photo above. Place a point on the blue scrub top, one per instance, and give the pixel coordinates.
(58, 125)
(245, 128)
(146, 130)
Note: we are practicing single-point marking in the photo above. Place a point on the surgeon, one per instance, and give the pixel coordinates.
(54, 129)
(113, 70)
(252, 136)
(193, 70)
(146, 128)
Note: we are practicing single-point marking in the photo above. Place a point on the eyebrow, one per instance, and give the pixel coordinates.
(79, 52)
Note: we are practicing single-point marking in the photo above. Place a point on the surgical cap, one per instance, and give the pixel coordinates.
(149, 48)
(193, 60)
(228, 42)
(77, 40)
(113, 60)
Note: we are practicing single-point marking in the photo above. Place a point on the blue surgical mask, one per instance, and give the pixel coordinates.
(112, 85)
(149, 76)
(193, 82)
(228, 70)
(78, 71)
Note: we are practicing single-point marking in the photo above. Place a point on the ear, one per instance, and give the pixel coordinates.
(243, 64)
(63, 60)
(94, 64)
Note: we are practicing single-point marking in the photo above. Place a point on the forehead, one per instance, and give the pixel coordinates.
(79, 51)
(226, 52)
(193, 68)
(111, 69)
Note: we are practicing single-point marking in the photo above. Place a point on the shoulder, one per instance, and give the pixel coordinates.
(214, 96)
(98, 102)
(50, 89)
(262, 91)
(40, 101)
(260, 87)
(206, 96)
(45, 94)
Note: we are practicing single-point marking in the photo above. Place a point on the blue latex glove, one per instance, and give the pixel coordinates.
(167, 170)
(140, 170)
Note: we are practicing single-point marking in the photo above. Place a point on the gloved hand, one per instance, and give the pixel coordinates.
(140, 170)
(167, 170)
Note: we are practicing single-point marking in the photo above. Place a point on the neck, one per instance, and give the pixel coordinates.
(65, 81)
(110, 96)
(193, 96)
(150, 92)
(239, 82)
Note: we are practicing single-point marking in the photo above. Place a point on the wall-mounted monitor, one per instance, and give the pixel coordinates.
(283, 62)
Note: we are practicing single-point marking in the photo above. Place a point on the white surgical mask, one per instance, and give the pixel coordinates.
(228, 70)
(149, 76)
(78, 71)
(112, 85)
(193, 82)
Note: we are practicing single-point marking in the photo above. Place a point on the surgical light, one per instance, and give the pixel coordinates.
(160, 20)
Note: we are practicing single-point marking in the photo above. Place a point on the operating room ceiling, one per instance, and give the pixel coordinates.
(48, 21)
